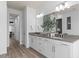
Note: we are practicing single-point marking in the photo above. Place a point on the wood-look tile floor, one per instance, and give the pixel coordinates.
(18, 51)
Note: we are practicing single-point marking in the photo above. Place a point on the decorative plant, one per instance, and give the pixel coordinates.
(48, 24)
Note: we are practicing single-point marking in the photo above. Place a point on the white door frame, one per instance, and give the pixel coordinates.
(19, 13)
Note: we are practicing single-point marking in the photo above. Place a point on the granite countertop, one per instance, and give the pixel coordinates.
(66, 38)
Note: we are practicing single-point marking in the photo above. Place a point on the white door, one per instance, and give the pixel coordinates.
(39, 44)
(48, 47)
(32, 42)
(62, 51)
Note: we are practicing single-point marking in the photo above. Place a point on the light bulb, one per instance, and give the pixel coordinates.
(40, 15)
(61, 7)
(67, 5)
(57, 9)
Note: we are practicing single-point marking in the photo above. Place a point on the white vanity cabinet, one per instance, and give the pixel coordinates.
(42, 45)
(54, 48)
(36, 43)
(33, 41)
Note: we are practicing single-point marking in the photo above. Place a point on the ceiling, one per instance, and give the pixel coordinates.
(35, 4)
(41, 6)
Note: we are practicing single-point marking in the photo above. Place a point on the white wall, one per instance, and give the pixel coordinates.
(3, 27)
(23, 24)
(74, 22)
(29, 18)
(14, 11)
(39, 22)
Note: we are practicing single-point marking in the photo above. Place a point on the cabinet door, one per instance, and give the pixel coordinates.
(48, 47)
(52, 49)
(62, 50)
(31, 41)
(38, 44)
(35, 42)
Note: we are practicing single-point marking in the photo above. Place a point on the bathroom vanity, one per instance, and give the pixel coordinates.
(55, 47)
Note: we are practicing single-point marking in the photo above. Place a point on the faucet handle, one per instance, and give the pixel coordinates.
(61, 35)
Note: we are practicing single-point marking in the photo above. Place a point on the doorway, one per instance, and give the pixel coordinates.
(14, 28)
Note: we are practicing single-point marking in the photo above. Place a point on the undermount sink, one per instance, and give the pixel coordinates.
(48, 35)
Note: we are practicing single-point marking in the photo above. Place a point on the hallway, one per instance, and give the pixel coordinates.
(17, 51)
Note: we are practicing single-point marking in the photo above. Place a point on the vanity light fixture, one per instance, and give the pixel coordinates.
(62, 6)
(67, 5)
